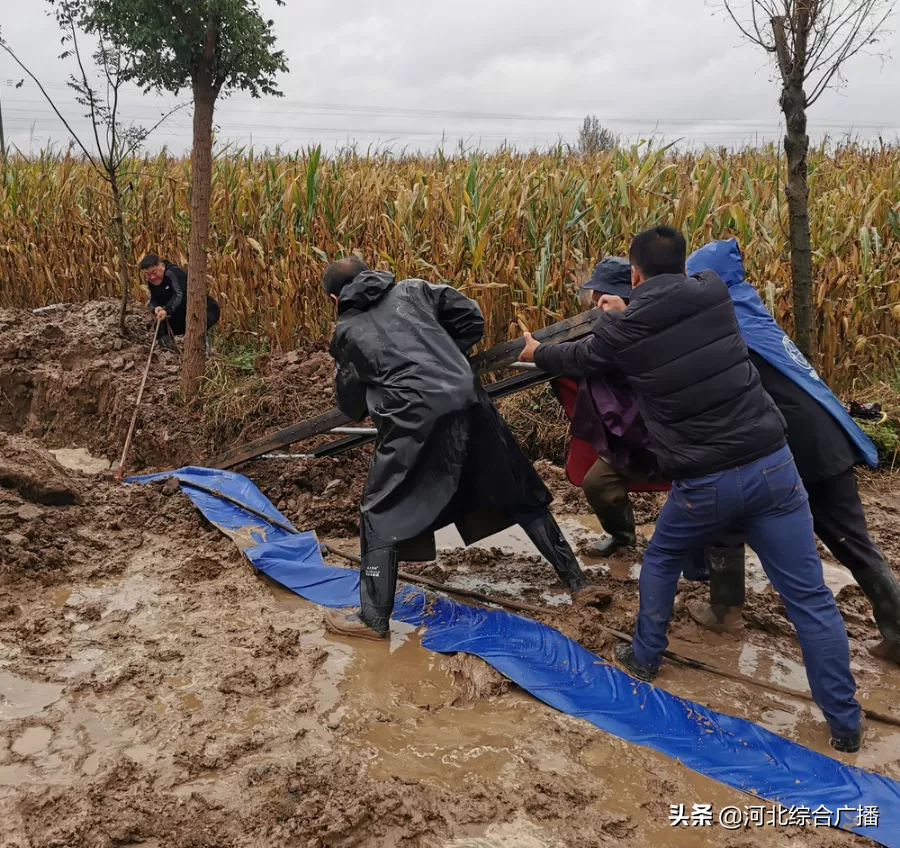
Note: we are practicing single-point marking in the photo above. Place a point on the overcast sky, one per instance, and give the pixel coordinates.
(409, 73)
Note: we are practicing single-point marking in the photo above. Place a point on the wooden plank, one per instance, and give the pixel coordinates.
(295, 433)
(495, 391)
(494, 359)
(504, 355)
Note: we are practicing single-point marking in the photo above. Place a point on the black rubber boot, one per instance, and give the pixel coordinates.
(377, 587)
(726, 591)
(726, 576)
(546, 536)
(618, 521)
(165, 342)
(880, 586)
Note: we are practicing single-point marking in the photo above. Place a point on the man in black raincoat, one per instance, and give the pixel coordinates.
(443, 453)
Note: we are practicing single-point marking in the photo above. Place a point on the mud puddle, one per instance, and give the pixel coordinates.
(78, 459)
(759, 655)
(396, 708)
(584, 528)
(21, 698)
(161, 692)
(202, 695)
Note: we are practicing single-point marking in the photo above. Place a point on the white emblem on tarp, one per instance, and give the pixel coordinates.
(794, 353)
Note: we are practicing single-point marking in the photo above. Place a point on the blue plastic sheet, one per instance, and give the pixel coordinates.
(563, 674)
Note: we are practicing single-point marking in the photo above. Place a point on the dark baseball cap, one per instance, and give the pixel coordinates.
(611, 276)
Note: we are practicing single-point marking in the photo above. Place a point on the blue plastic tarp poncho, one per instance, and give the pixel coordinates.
(764, 336)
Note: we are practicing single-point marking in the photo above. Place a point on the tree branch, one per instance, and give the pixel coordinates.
(854, 43)
(89, 91)
(47, 97)
(755, 39)
(137, 143)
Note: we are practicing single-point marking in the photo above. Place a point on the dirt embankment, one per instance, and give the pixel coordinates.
(67, 379)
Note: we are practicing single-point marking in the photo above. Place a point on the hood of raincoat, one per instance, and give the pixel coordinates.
(764, 336)
(366, 290)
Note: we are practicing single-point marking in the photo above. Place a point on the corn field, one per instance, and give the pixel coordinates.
(516, 231)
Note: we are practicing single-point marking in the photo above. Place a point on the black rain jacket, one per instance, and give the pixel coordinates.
(443, 454)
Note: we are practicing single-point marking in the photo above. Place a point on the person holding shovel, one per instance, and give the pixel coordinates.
(167, 284)
(721, 440)
(443, 454)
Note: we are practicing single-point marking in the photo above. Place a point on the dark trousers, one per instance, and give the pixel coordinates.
(768, 500)
(840, 521)
(178, 321)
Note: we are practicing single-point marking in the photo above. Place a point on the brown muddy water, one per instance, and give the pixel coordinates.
(161, 693)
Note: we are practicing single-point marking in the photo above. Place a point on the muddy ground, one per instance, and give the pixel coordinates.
(156, 691)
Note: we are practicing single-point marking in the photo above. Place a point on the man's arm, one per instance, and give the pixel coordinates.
(459, 315)
(350, 393)
(587, 357)
(178, 279)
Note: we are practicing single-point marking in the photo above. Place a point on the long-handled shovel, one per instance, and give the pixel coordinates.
(120, 471)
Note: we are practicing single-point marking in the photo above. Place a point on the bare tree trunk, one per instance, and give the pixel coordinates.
(122, 247)
(796, 148)
(194, 350)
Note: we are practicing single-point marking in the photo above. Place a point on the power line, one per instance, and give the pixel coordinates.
(305, 107)
(695, 128)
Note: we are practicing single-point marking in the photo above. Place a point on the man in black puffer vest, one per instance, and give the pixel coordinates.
(721, 440)
(167, 284)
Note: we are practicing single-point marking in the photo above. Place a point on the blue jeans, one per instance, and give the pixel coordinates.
(768, 500)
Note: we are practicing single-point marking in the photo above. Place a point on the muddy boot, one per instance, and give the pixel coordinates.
(626, 661)
(618, 521)
(165, 342)
(377, 587)
(343, 624)
(726, 592)
(546, 536)
(880, 586)
(848, 743)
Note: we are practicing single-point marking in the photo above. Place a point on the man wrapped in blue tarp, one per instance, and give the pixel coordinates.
(827, 445)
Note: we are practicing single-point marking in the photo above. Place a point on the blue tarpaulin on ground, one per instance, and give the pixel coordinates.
(566, 676)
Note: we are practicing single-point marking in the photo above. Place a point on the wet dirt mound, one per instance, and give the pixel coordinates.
(473, 679)
(50, 521)
(68, 379)
(319, 494)
(34, 475)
